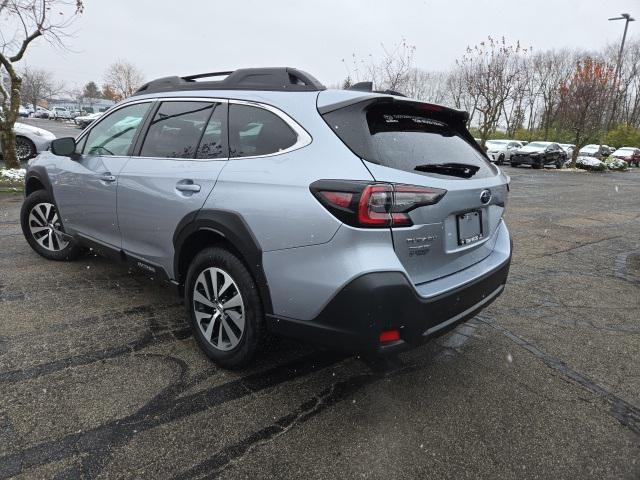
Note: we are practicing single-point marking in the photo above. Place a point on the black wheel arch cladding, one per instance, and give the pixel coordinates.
(231, 227)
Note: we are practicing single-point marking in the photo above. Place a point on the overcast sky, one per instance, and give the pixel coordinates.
(190, 36)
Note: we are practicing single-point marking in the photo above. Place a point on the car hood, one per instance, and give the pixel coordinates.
(496, 148)
(528, 149)
(28, 129)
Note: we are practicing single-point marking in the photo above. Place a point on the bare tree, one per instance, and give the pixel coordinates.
(393, 71)
(38, 86)
(123, 79)
(458, 94)
(22, 22)
(628, 95)
(491, 72)
(551, 69)
(425, 86)
(583, 99)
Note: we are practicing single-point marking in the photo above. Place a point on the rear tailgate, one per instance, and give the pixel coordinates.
(406, 142)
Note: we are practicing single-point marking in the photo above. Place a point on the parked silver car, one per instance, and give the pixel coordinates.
(500, 151)
(359, 220)
(30, 140)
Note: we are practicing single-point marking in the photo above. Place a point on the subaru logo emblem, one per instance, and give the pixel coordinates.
(485, 196)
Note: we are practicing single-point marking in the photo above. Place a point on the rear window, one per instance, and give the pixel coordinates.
(410, 138)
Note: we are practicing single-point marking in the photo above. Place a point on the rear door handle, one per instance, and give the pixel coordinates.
(107, 177)
(188, 187)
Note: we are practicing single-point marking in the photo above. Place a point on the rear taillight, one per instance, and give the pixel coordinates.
(373, 205)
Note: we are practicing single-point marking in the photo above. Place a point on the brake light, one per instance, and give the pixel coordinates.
(373, 205)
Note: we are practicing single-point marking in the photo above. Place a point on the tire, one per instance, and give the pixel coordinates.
(229, 340)
(560, 164)
(537, 165)
(41, 226)
(25, 149)
(500, 159)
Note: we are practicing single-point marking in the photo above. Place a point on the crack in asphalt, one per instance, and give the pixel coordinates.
(95, 444)
(155, 335)
(623, 411)
(581, 245)
(233, 454)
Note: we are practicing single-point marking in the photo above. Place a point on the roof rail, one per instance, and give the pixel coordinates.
(368, 87)
(273, 79)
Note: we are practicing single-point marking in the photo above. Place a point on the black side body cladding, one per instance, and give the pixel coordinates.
(231, 227)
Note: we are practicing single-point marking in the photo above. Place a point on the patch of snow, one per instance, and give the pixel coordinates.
(617, 164)
(589, 161)
(15, 174)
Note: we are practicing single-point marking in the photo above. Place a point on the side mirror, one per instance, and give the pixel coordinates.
(64, 147)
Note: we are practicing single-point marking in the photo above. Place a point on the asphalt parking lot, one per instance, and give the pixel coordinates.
(100, 377)
(59, 128)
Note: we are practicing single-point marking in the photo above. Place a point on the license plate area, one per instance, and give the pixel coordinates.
(469, 227)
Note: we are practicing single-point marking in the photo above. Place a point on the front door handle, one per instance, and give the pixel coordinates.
(188, 187)
(107, 177)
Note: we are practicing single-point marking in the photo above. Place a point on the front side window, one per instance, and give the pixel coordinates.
(176, 129)
(255, 131)
(116, 132)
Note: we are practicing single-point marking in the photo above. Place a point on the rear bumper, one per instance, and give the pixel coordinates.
(379, 301)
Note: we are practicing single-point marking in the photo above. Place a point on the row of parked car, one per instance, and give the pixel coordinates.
(80, 117)
(541, 154)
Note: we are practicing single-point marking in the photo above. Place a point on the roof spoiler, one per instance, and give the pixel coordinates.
(368, 87)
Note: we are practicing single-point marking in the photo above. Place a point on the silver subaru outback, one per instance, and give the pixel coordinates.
(355, 219)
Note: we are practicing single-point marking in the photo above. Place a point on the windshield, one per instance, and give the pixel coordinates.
(624, 151)
(537, 145)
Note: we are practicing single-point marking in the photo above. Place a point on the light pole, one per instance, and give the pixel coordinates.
(628, 18)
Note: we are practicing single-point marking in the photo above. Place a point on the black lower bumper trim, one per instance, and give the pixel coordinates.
(375, 302)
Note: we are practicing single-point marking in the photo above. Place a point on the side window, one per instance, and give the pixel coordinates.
(176, 129)
(115, 133)
(256, 131)
(214, 140)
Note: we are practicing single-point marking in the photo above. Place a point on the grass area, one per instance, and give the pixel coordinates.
(11, 181)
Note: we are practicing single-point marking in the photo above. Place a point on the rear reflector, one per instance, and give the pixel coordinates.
(389, 336)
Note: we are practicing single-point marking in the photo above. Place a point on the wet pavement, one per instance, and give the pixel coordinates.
(100, 377)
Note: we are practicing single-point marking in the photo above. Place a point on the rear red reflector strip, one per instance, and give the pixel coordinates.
(389, 336)
(341, 199)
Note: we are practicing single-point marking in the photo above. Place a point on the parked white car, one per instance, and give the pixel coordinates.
(31, 140)
(43, 113)
(500, 151)
(83, 121)
(61, 113)
(593, 150)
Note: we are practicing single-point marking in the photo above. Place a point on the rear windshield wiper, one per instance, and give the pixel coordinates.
(461, 170)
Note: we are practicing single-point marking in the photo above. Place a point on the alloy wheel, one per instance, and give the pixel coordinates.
(23, 149)
(45, 227)
(219, 308)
